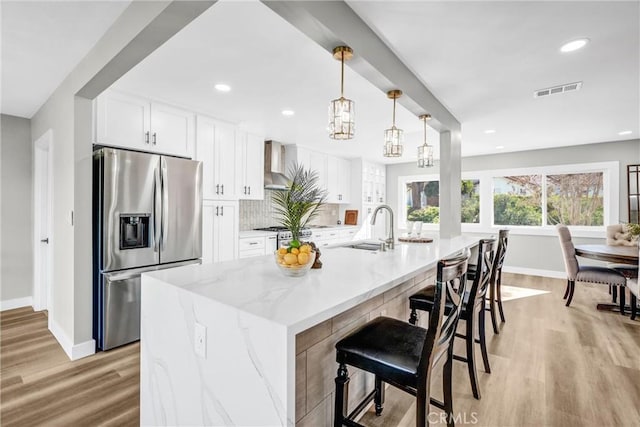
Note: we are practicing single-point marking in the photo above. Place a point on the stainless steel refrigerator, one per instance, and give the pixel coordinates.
(147, 216)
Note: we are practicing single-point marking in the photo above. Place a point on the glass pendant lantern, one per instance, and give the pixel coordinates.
(393, 137)
(425, 151)
(342, 110)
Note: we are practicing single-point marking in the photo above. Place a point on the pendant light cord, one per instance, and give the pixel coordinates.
(425, 130)
(394, 111)
(342, 75)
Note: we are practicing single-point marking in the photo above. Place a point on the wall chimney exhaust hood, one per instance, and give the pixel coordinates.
(274, 178)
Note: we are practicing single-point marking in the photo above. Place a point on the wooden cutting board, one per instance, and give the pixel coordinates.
(415, 239)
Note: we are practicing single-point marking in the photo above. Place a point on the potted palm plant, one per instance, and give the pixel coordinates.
(294, 207)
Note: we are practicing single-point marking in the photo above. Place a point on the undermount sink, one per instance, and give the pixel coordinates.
(365, 246)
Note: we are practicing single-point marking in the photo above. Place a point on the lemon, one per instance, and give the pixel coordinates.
(303, 258)
(305, 248)
(295, 251)
(282, 251)
(291, 259)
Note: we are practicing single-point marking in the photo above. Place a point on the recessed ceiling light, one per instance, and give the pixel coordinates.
(574, 45)
(221, 87)
(625, 132)
(499, 147)
(489, 131)
(288, 113)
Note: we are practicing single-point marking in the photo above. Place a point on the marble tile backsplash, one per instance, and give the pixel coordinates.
(260, 213)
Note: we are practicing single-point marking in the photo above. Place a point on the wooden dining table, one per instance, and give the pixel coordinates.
(613, 254)
(607, 253)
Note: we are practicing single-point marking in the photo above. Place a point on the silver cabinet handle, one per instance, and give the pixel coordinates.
(253, 243)
(217, 188)
(245, 189)
(222, 189)
(154, 138)
(221, 210)
(217, 210)
(45, 240)
(146, 137)
(249, 189)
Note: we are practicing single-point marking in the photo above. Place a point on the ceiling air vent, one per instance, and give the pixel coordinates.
(557, 89)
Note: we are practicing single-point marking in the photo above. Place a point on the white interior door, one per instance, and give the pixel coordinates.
(42, 222)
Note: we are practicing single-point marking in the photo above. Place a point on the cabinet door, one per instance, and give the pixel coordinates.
(332, 180)
(225, 163)
(250, 151)
(254, 167)
(226, 231)
(344, 181)
(205, 152)
(172, 130)
(122, 121)
(208, 219)
(318, 162)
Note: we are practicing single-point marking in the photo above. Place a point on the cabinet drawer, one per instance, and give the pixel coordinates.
(251, 253)
(251, 243)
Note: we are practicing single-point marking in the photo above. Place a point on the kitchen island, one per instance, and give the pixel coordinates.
(268, 355)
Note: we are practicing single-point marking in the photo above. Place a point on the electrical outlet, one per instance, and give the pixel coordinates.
(200, 340)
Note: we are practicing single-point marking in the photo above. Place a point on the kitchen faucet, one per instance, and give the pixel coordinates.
(389, 241)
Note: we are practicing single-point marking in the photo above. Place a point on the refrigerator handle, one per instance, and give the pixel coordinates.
(165, 202)
(157, 205)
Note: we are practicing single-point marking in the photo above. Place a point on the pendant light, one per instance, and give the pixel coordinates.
(393, 137)
(425, 151)
(342, 110)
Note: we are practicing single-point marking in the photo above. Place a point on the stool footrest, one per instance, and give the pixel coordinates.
(349, 420)
(460, 358)
(437, 403)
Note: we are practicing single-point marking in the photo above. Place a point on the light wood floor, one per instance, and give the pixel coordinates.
(551, 366)
(40, 386)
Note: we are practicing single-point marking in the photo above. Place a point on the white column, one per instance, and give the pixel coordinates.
(450, 176)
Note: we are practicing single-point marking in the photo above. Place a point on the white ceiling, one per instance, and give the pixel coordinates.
(42, 41)
(482, 60)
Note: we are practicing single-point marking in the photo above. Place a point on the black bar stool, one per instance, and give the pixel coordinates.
(402, 354)
(495, 291)
(473, 308)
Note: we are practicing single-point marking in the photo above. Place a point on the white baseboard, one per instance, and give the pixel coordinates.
(74, 352)
(535, 272)
(10, 304)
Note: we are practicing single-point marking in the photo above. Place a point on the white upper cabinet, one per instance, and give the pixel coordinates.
(172, 130)
(338, 180)
(216, 148)
(250, 168)
(318, 163)
(130, 122)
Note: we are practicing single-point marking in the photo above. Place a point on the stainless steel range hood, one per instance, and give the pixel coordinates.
(274, 178)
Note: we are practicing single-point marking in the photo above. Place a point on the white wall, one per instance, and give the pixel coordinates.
(16, 245)
(541, 253)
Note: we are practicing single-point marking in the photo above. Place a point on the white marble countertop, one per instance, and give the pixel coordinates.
(348, 277)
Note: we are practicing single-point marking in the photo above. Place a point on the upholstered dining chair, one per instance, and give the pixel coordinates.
(473, 311)
(588, 274)
(403, 355)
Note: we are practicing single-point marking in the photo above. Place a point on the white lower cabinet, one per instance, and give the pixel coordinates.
(333, 236)
(256, 246)
(219, 231)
